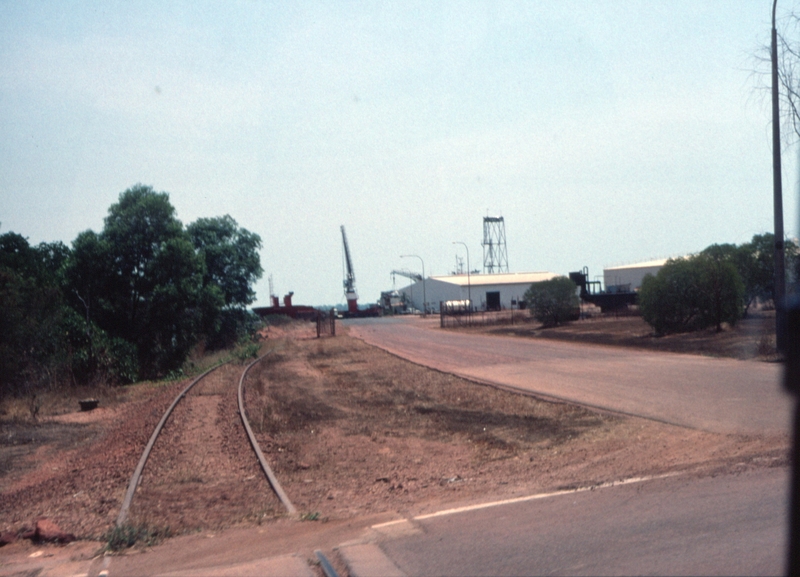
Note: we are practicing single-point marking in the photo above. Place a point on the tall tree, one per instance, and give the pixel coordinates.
(231, 257)
(140, 279)
(232, 266)
(31, 314)
(756, 264)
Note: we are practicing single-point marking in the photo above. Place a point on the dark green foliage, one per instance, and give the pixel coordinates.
(231, 258)
(32, 345)
(756, 265)
(247, 348)
(140, 280)
(30, 339)
(723, 288)
(232, 265)
(126, 303)
(554, 301)
(693, 293)
(93, 354)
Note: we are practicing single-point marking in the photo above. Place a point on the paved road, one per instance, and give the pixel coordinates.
(728, 525)
(719, 395)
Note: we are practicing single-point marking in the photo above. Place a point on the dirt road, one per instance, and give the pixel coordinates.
(710, 394)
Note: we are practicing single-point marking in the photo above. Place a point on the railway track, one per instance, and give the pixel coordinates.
(202, 463)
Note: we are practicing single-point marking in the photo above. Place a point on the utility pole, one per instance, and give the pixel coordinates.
(777, 198)
(787, 328)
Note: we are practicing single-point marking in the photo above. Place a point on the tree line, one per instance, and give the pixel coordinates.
(716, 286)
(127, 303)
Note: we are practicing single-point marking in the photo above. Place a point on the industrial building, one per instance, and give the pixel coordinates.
(487, 291)
(628, 278)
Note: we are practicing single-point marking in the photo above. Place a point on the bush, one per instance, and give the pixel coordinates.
(554, 301)
(126, 536)
(691, 294)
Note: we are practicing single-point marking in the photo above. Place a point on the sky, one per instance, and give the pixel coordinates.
(603, 132)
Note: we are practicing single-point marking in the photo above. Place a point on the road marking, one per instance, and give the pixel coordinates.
(540, 496)
(388, 523)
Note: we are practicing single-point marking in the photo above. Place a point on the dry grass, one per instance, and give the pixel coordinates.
(751, 338)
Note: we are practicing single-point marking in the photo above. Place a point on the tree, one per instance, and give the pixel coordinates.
(787, 71)
(722, 288)
(128, 302)
(693, 293)
(31, 313)
(231, 257)
(553, 301)
(232, 266)
(756, 265)
(140, 280)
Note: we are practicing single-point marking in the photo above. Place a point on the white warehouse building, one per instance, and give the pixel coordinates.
(488, 291)
(627, 278)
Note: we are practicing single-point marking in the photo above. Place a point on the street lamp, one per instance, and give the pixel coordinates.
(424, 297)
(469, 284)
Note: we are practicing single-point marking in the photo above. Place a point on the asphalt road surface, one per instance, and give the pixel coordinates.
(729, 525)
(718, 395)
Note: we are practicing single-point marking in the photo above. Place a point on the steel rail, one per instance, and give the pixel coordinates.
(326, 566)
(273, 480)
(137, 473)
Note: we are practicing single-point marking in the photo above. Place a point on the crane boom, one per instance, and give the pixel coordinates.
(349, 278)
(405, 273)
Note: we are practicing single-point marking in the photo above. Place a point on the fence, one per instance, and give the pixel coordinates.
(461, 316)
(326, 324)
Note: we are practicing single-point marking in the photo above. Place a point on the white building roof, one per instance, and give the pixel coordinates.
(646, 264)
(496, 279)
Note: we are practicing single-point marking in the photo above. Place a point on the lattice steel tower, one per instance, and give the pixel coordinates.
(495, 255)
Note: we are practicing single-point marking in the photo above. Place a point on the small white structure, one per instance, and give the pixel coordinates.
(627, 278)
(488, 291)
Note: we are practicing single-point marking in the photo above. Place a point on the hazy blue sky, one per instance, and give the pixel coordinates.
(604, 132)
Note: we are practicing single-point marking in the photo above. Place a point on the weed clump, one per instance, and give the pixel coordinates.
(126, 536)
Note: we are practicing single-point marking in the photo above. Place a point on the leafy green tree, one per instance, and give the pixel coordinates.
(128, 302)
(553, 301)
(31, 312)
(232, 266)
(722, 287)
(756, 265)
(693, 293)
(231, 257)
(140, 280)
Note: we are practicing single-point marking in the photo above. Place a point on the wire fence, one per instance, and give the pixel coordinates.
(326, 324)
(461, 316)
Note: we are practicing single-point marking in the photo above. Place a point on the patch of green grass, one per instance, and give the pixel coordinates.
(126, 536)
(247, 350)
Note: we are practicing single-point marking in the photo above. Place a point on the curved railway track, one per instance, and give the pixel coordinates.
(205, 418)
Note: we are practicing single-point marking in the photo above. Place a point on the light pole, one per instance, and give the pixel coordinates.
(424, 297)
(469, 284)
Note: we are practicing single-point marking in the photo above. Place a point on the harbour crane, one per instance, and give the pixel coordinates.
(349, 279)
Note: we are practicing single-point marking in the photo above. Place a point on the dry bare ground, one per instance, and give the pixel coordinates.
(354, 430)
(752, 338)
(349, 430)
